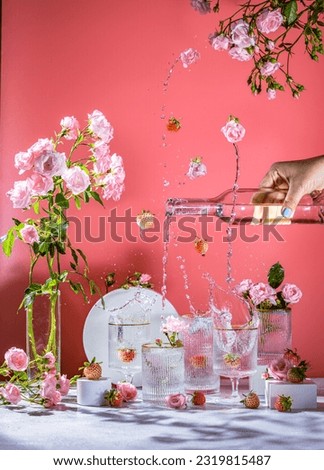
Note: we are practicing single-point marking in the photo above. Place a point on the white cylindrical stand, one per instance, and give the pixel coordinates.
(91, 392)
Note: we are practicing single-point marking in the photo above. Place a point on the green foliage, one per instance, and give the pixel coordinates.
(276, 275)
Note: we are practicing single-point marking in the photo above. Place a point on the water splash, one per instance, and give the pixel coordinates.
(186, 283)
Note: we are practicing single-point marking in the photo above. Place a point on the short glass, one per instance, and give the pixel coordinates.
(198, 341)
(162, 371)
(275, 334)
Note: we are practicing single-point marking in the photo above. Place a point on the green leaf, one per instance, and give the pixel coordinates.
(61, 201)
(276, 275)
(83, 256)
(36, 207)
(77, 202)
(16, 221)
(96, 197)
(86, 196)
(290, 11)
(9, 241)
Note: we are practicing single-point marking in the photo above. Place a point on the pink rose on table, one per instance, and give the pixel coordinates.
(261, 292)
(243, 287)
(71, 127)
(40, 184)
(24, 161)
(49, 392)
(100, 127)
(64, 385)
(76, 180)
(291, 293)
(50, 163)
(145, 278)
(128, 391)
(176, 400)
(189, 56)
(11, 393)
(220, 42)
(269, 21)
(29, 234)
(269, 68)
(41, 146)
(240, 54)
(278, 368)
(240, 34)
(16, 359)
(233, 131)
(21, 194)
(50, 359)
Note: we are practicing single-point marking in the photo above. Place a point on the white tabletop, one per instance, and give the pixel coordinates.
(142, 426)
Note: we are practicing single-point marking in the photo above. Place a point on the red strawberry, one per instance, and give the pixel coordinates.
(198, 398)
(251, 400)
(283, 403)
(173, 124)
(292, 356)
(145, 220)
(199, 361)
(232, 360)
(114, 398)
(201, 246)
(297, 373)
(126, 354)
(92, 370)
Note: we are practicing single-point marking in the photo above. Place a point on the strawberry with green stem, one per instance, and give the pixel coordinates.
(92, 370)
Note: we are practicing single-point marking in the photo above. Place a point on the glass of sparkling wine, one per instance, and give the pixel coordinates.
(235, 355)
(127, 333)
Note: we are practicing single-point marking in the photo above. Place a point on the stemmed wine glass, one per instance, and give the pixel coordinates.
(235, 340)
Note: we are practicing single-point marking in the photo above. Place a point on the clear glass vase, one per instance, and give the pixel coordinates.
(198, 341)
(162, 371)
(274, 334)
(43, 330)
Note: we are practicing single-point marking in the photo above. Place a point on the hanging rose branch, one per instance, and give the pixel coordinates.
(266, 33)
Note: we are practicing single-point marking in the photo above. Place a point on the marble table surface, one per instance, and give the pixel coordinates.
(141, 426)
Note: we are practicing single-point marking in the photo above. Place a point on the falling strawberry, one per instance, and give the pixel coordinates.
(232, 360)
(145, 220)
(283, 403)
(201, 246)
(114, 398)
(198, 398)
(199, 361)
(251, 400)
(92, 370)
(297, 373)
(173, 124)
(292, 356)
(126, 354)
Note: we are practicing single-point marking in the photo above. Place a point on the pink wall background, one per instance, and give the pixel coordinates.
(71, 57)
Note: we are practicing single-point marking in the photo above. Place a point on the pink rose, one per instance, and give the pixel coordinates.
(11, 393)
(71, 127)
(52, 398)
(112, 189)
(24, 161)
(240, 34)
(64, 385)
(265, 375)
(128, 391)
(49, 391)
(291, 293)
(272, 94)
(196, 169)
(40, 184)
(29, 234)
(50, 163)
(243, 287)
(261, 292)
(144, 278)
(278, 368)
(240, 54)
(76, 180)
(16, 359)
(50, 359)
(100, 127)
(269, 68)
(173, 325)
(269, 21)
(102, 165)
(202, 6)
(270, 45)
(176, 400)
(220, 42)
(189, 56)
(41, 146)
(233, 131)
(21, 194)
